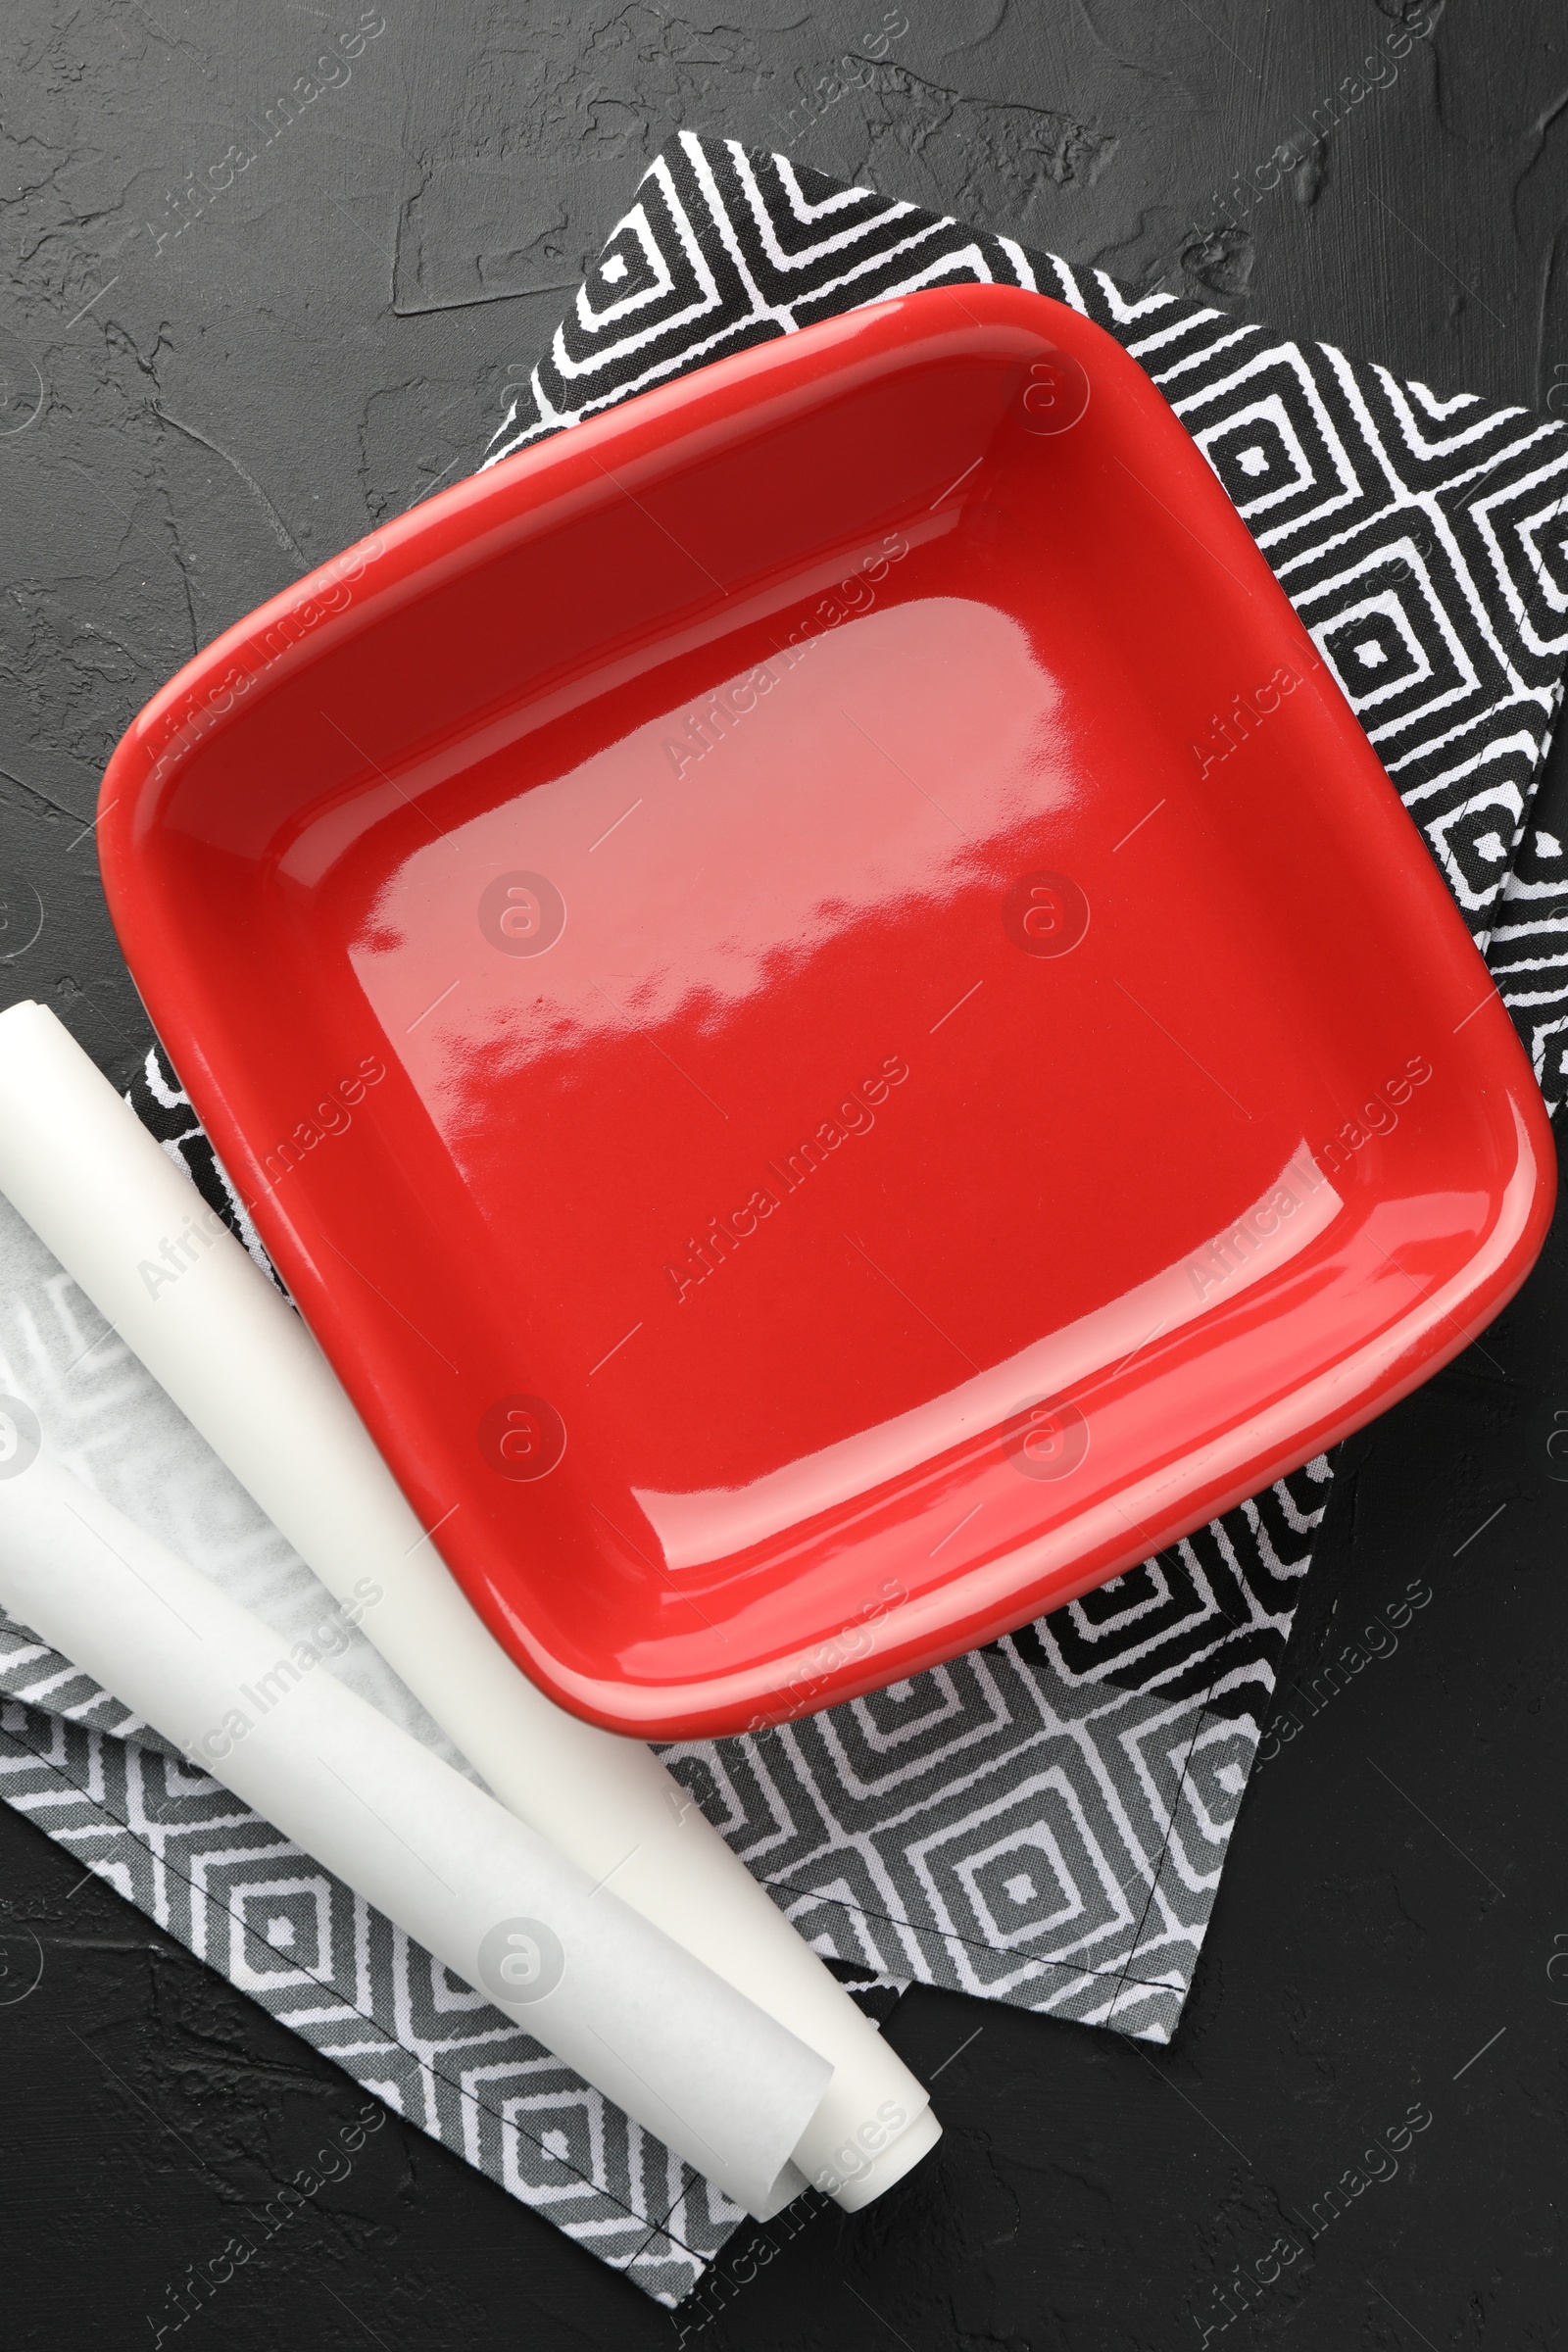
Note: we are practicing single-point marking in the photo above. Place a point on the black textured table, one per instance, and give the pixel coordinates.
(254, 304)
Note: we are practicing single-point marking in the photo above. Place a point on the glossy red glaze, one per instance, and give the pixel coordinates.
(744, 981)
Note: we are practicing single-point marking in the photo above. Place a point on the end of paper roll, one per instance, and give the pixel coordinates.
(891, 2165)
(852, 2196)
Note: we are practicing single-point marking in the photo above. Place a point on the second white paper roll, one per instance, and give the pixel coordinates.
(241, 1365)
(722, 2083)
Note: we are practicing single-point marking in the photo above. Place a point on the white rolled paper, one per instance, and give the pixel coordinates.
(720, 2082)
(111, 1204)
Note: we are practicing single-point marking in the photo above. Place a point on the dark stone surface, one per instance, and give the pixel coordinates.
(196, 405)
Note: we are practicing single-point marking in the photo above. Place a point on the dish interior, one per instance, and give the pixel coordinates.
(831, 1018)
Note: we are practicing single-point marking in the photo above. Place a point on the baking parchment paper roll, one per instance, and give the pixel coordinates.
(121, 1215)
(719, 2081)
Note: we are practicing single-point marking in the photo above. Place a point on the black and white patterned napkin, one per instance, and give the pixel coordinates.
(1045, 1821)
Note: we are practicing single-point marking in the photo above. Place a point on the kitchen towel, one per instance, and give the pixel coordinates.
(1045, 1820)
